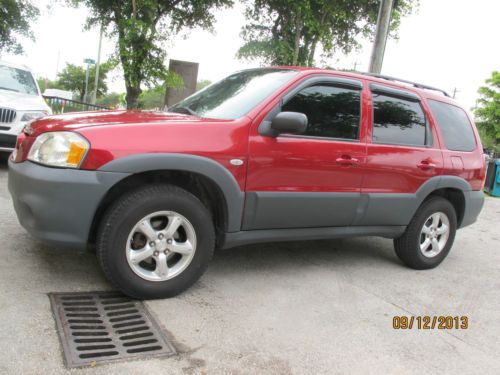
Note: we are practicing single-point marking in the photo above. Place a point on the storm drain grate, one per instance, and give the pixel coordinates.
(106, 327)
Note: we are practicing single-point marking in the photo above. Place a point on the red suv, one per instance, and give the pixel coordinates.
(274, 154)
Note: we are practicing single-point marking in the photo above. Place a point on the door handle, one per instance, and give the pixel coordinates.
(346, 160)
(426, 165)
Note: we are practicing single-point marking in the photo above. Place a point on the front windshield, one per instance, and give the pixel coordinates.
(235, 95)
(18, 80)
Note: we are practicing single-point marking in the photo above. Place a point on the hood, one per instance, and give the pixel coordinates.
(22, 102)
(81, 120)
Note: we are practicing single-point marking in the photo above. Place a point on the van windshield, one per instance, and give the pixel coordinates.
(18, 80)
(234, 96)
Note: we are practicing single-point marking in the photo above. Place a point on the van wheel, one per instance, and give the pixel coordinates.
(155, 242)
(429, 236)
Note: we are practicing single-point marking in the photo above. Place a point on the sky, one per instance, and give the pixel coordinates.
(450, 44)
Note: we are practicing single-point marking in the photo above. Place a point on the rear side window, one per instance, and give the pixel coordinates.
(398, 121)
(455, 126)
(333, 112)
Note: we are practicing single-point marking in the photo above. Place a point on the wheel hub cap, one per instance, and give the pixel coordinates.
(161, 246)
(434, 234)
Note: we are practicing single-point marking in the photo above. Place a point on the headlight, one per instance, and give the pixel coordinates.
(28, 116)
(59, 149)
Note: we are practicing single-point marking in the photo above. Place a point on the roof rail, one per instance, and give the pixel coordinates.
(414, 84)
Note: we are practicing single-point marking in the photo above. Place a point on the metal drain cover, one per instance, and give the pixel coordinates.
(106, 327)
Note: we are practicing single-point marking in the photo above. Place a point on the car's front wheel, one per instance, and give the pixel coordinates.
(429, 236)
(155, 242)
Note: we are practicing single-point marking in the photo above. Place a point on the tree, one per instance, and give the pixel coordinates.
(45, 83)
(202, 83)
(153, 98)
(72, 78)
(487, 112)
(111, 100)
(141, 26)
(289, 32)
(16, 17)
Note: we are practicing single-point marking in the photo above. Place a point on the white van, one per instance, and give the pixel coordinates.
(20, 102)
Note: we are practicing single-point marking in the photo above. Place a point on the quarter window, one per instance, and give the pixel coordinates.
(398, 121)
(332, 111)
(455, 126)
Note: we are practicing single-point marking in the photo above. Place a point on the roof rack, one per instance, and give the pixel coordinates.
(414, 84)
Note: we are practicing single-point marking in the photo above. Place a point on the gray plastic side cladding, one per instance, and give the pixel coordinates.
(453, 182)
(191, 163)
(398, 209)
(285, 210)
(302, 234)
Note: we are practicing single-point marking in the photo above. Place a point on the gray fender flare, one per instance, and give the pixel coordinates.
(441, 182)
(191, 163)
(399, 208)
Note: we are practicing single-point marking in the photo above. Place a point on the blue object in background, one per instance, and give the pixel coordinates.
(492, 185)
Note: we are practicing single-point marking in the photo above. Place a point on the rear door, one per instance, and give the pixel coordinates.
(402, 154)
(312, 179)
(461, 152)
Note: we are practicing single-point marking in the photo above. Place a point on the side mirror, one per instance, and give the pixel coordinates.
(289, 122)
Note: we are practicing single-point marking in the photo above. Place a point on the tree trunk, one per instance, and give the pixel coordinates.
(132, 97)
(298, 29)
(310, 58)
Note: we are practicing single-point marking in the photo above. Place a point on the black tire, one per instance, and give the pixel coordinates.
(123, 215)
(408, 245)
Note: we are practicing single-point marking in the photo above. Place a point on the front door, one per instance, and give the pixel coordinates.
(312, 179)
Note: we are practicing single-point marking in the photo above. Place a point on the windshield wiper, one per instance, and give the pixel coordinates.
(8, 88)
(184, 110)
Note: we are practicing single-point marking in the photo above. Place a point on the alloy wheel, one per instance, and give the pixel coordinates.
(434, 234)
(161, 246)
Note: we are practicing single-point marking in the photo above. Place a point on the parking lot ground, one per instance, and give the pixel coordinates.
(320, 307)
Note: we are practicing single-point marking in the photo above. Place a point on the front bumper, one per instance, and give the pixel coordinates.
(10, 131)
(58, 205)
(7, 142)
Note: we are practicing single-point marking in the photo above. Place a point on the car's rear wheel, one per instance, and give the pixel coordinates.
(429, 236)
(155, 242)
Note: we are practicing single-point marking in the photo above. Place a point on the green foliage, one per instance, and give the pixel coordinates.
(45, 83)
(288, 32)
(142, 26)
(72, 78)
(487, 112)
(153, 98)
(173, 80)
(202, 83)
(16, 17)
(111, 100)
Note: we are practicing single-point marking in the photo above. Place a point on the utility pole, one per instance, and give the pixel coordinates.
(381, 33)
(455, 92)
(88, 62)
(57, 63)
(86, 84)
(96, 81)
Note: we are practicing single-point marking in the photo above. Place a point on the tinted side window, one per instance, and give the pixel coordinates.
(455, 126)
(398, 121)
(332, 111)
